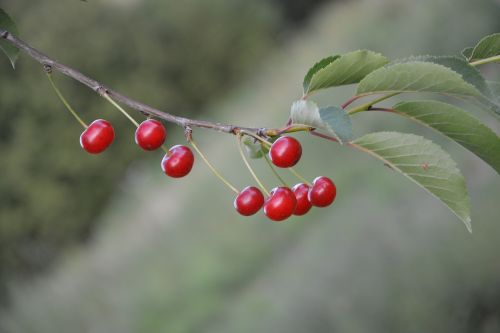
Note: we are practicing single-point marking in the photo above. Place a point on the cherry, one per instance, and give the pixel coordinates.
(249, 201)
(97, 136)
(178, 162)
(301, 191)
(323, 192)
(285, 152)
(281, 204)
(150, 134)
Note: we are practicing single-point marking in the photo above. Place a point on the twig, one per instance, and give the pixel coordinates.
(102, 90)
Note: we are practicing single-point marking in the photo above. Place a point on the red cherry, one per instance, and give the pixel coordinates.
(323, 192)
(301, 192)
(178, 161)
(249, 201)
(281, 204)
(285, 152)
(150, 134)
(97, 136)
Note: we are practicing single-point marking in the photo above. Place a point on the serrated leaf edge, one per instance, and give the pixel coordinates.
(467, 221)
(479, 43)
(395, 108)
(417, 91)
(315, 68)
(338, 58)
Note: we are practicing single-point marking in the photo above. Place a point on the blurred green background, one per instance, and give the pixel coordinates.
(109, 244)
(179, 57)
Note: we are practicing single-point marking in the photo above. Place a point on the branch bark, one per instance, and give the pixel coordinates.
(101, 89)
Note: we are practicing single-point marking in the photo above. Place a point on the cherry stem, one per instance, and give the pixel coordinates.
(248, 165)
(211, 167)
(274, 171)
(165, 149)
(311, 130)
(65, 102)
(116, 105)
(255, 136)
(291, 128)
(299, 176)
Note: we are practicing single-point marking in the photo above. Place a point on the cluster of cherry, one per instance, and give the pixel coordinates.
(150, 135)
(285, 152)
(284, 202)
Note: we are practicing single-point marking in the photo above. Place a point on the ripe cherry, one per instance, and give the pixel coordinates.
(301, 192)
(150, 134)
(285, 152)
(178, 162)
(281, 204)
(323, 192)
(97, 136)
(249, 201)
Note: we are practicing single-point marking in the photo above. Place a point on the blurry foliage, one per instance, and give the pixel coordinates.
(298, 10)
(179, 57)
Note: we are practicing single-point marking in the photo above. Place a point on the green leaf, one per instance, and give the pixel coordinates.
(337, 121)
(416, 76)
(346, 69)
(495, 89)
(458, 125)
(314, 69)
(467, 52)
(332, 119)
(469, 73)
(10, 50)
(424, 163)
(487, 47)
(305, 112)
(253, 148)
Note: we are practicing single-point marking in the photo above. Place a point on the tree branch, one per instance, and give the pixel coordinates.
(51, 64)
